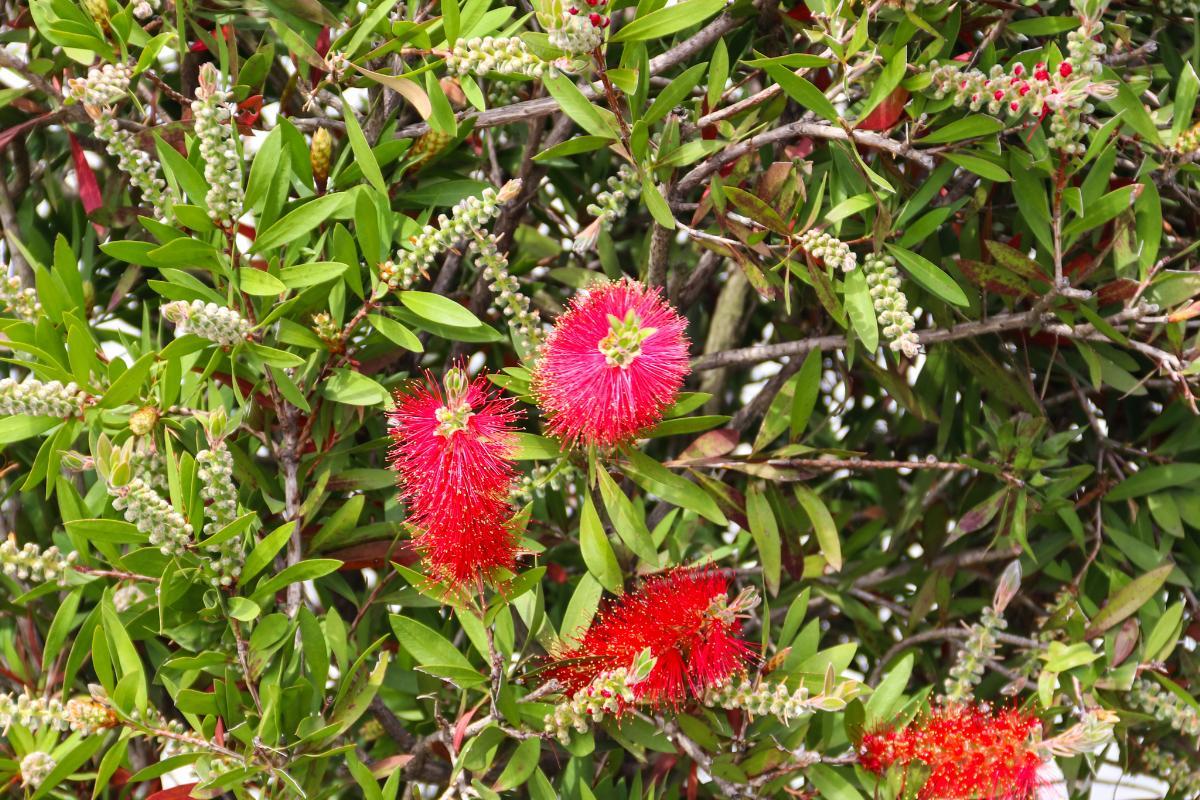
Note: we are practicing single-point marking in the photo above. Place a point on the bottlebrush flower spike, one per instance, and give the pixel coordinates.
(683, 619)
(613, 362)
(452, 452)
(971, 751)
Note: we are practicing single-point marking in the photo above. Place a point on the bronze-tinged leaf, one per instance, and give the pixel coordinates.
(994, 279)
(1117, 291)
(1189, 311)
(1125, 641)
(1014, 260)
(757, 210)
(713, 444)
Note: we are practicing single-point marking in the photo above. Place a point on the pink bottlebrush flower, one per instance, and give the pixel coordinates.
(452, 451)
(971, 751)
(613, 363)
(686, 620)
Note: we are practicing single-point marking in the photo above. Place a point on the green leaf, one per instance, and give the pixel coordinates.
(1163, 635)
(830, 783)
(657, 205)
(19, 428)
(574, 146)
(110, 531)
(264, 552)
(593, 119)
(969, 127)
(808, 387)
(923, 271)
(318, 272)
(363, 155)
(436, 308)
(129, 384)
(1128, 600)
(765, 531)
(628, 524)
(826, 530)
(1149, 480)
(300, 221)
(426, 645)
(658, 480)
(597, 551)
(666, 21)
(354, 388)
(259, 282)
(1103, 210)
(803, 92)
(581, 607)
(396, 332)
(885, 700)
(889, 79)
(980, 166)
(675, 93)
(520, 766)
(308, 570)
(860, 307)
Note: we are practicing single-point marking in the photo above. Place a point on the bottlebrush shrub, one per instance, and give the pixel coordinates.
(598, 400)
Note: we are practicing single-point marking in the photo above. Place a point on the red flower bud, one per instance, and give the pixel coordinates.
(595, 19)
(1065, 69)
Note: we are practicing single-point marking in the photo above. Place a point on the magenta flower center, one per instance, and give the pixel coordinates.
(623, 344)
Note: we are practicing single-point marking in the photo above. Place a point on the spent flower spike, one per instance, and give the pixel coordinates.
(613, 363)
(452, 452)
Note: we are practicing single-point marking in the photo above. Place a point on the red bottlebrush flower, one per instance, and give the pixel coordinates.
(970, 751)
(452, 452)
(614, 361)
(686, 621)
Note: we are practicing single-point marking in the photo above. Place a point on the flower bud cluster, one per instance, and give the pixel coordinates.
(508, 55)
(82, 715)
(608, 693)
(610, 206)
(224, 326)
(1064, 92)
(214, 114)
(429, 145)
(320, 154)
(35, 768)
(103, 86)
(30, 563)
(327, 329)
(581, 29)
(37, 399)
(154, 516)
(1182, 7)
(18, 300)
(215, 471)
(464, 220)
(829, 249)
(1181, 774)
(1166, 707)
(127, 596)
(143, 171)
(979, 648)
(1188, 142)
(883, 281)
(144, 9)
(776, 699)
(541, 478)
(148, 465)
(524, 321)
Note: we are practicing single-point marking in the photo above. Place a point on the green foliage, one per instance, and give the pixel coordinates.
(936, 263)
